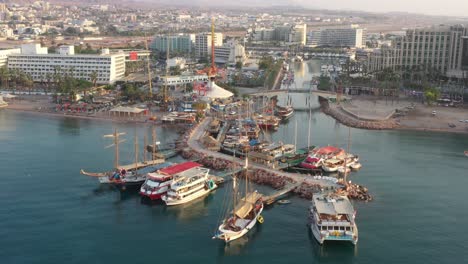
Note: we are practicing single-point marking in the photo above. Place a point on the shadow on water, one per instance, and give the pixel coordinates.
(345, 251)
(70, 126)
(239, 246)
(195, 209)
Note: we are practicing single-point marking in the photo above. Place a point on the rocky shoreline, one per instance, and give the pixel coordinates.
(353, 122)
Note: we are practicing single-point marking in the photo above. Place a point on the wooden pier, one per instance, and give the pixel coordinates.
(270, 199)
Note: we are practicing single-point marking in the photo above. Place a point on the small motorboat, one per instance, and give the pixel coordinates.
(356, 166)
(466, 153)
(344, 170)
(284, 201)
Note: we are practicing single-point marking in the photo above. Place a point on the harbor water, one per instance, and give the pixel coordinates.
(52, 214)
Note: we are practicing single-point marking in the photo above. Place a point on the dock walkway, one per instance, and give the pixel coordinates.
(198, 132)
(270, 199)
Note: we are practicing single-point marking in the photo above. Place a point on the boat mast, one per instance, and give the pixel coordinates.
(136, 151)
(145, 143)
(153, 139)
(310, 117)
(246, 175)
(346, 156)
(295, 136)
(117, 141)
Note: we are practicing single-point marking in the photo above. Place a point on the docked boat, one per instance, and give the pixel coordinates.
(188, 186)
(126, 175)
(332, 217)
(312, 163)
(344, 170)
(157, 183)
(178, 117)
(3, 103)
(284, 112)
(243, 216)
(295, 158)
(356, 166)
(332, 165)
(267, 122)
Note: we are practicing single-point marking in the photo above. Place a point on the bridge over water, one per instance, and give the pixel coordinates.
(300, 99)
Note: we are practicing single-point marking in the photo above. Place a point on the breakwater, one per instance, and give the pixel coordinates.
(348, 120)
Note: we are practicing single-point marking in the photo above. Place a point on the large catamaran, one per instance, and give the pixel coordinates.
(245, 212)
(332, 217)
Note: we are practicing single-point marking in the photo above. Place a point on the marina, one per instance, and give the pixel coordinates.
(100, 210)
(275, 205)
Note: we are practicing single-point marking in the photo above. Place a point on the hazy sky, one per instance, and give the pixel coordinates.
(432, 7)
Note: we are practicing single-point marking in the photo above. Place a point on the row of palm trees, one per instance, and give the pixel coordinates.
(64, 81)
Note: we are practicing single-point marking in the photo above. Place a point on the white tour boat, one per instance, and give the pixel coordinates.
(157, 183)
(332, 217)
(188, 186)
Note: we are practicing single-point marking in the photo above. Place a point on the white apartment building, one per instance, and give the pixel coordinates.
(4, 55)
(36, 61)
(350, 36)
(203, 44)
(289, 34)
(230, 53)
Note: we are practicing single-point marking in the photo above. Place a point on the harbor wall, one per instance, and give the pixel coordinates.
(351, 120)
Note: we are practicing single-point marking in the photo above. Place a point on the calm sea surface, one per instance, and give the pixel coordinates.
(49, 213)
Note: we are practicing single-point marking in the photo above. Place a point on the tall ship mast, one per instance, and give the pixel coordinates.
(244, 213)
(133, 174)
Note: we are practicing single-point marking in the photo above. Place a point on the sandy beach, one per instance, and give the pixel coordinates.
(40, 104)
(364, 112)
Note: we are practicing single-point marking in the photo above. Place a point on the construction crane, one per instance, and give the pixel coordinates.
(150, 82)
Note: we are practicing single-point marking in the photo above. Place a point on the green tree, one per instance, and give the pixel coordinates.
(4, 76)
(431, 94)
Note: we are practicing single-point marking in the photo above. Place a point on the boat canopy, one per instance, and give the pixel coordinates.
(328, 150)
(246, 204)
(180, 167)
(333, 205)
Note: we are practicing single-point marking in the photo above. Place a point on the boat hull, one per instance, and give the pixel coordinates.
(229, 236)
(329, 169)
(171, 202)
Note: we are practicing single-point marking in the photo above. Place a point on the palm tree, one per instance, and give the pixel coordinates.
(28, 81)
(93, 76)
(4, 76)
(48, 79)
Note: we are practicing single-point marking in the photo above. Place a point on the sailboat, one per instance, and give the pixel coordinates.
(126, 175)
(244, 215)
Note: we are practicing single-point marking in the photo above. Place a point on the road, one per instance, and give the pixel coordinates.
(198, 132)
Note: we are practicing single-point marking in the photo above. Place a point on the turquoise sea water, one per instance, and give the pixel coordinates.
(52, 214)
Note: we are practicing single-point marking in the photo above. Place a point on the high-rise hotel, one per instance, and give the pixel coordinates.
(36, 61)
(439, 47)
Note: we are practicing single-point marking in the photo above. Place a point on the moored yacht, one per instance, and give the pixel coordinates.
(157, 183)
(245, 211)
(188, 186)
(332, 217)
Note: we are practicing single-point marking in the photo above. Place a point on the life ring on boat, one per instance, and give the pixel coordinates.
(211, 184)
(260, 219)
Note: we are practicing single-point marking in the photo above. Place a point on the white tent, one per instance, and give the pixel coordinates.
(216, 92)
(9, 96)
